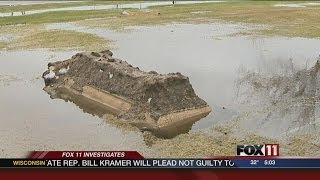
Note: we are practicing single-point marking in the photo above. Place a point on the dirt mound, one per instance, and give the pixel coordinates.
(132, 93)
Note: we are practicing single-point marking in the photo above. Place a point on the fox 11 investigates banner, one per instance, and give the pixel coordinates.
(247, 156)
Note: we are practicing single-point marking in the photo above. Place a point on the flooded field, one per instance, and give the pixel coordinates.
(31, 120)
(213, 67)
(115, 5)
(260, 75)
(207, 53)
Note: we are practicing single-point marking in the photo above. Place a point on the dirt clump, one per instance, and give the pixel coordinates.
(132, 93)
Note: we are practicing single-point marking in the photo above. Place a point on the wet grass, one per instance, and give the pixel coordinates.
(286, 21)
(3, 44)
(303, 22)
(54, 17)
(59, 39)
(33, 36)
(17, 32)
(219, 140)
(20, 29)
(302, 145)
(29, 7)
(203, 145)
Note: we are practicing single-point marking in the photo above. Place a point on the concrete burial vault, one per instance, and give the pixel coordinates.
(101, 84)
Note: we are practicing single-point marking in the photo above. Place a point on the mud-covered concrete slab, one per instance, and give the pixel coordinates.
(147, 99)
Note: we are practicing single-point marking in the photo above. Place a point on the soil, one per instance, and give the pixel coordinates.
(157, 94)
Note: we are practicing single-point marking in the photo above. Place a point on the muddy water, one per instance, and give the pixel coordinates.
(207, 54)
(30, 120)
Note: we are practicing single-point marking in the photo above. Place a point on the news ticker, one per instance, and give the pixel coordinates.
(132, 159)
(163, 163)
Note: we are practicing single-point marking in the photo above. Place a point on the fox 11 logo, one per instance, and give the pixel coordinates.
(258, 150)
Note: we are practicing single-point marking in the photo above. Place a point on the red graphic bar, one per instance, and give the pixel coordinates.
(85, 155)
(155, 174)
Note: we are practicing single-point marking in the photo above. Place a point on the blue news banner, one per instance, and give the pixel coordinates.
(232, 162)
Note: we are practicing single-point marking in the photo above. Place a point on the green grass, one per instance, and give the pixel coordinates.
(284, 21)
(56, 5)
(293, 22)
(302, 22)
(59, 16)
(60, 39)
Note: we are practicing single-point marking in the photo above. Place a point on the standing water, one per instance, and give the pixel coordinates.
(205, 53)
(30, 120)
(102, 7)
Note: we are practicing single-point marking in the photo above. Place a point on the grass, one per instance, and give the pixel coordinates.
(17, 32)
(29, 7)
(202, 145)
(20, 29)
(59, 39)
(3, 44)
(302, 145)
(292, 22)
(302, 22)
(53, 17)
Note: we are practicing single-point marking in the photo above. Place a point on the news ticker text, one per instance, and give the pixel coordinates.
(231, 162)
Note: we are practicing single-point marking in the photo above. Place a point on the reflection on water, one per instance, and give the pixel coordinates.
(87, 105)
(30, 120)
(101, 7)
(96, 109)
(212, 65)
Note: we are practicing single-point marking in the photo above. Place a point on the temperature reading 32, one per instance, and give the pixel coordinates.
(254, 162)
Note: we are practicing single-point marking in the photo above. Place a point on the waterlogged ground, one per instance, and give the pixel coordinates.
(93, 6)
(213, 66)
(30, 120)
(209, 54)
